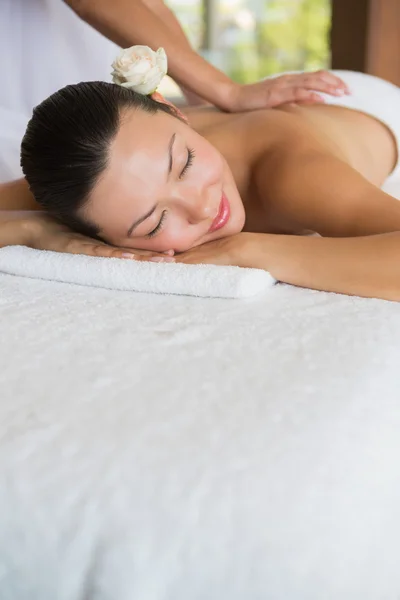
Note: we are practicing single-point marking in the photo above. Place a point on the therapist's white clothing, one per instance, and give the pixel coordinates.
(44, 45)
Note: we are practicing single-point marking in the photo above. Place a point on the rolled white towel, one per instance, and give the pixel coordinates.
(137, 276)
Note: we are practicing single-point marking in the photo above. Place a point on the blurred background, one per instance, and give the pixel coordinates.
(250, 39)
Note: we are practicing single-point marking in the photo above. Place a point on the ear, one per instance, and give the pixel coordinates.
(160, 98)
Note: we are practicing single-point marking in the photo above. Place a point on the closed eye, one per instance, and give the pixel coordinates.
(189, 162)
(159, 226)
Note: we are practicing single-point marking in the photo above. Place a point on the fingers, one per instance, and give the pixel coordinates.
(304, 88)
(133, 255)
(76, 246)
(320, 81)
(142, 254)
(166, 256)
(294, 87)
(333, 80)
(147, 258)
(302, 96)
(97, 249)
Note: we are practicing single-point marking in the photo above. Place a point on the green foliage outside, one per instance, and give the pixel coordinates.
(287, 35)
(293, 35)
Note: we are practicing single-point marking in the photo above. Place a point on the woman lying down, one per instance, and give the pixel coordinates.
(228, 189)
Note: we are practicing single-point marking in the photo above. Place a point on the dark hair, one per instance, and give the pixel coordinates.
(65, 146)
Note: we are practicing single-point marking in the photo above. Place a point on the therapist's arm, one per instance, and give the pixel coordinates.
(166, 15)
(151, 23)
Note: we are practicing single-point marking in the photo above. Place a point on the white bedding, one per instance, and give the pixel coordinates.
(173, 448)
(176, 448)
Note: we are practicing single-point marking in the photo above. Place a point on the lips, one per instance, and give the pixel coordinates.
(224, 212)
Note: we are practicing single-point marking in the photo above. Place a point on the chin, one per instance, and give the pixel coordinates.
(235, 226)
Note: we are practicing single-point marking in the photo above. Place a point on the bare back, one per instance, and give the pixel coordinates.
(252, 143)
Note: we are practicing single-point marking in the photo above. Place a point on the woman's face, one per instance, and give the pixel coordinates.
(165, 187)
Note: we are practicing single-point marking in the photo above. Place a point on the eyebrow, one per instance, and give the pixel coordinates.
(170, 146)
(147, 215)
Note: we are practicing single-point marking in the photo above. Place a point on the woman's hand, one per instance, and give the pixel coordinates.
(39, 230)
(290, 88)
(224, 251)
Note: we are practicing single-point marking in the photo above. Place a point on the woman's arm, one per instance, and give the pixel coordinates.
(39, 230)
(15, 195)
(315, 190)
(366, 266)
(15, 229)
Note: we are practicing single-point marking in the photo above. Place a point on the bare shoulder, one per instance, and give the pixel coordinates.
(202, 117)
(300, 173)
(305, 185)
(273, 123)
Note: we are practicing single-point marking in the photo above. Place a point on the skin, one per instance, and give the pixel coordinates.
(152, 23)
(187, 201)
(290, 171)
(295, 170)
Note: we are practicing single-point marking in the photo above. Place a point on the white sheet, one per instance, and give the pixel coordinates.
(164, 447)
(172, 448)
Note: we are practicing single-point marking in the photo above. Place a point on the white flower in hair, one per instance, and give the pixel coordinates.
(139, 68)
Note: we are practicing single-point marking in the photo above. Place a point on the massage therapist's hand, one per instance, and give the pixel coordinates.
(40, 231)
(291, 88)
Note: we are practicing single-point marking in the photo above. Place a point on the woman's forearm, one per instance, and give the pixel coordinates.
(15, 195)
(16, 228)
(129, 22)
(364, 266)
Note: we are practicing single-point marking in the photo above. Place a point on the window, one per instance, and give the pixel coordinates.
(250, 39)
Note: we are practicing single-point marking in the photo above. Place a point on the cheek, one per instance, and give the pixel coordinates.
(208, 166)
(178, 235)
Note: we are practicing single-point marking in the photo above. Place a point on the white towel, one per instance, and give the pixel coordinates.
(137, 276)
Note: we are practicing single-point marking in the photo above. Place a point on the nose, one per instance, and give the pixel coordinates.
(201, 207)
